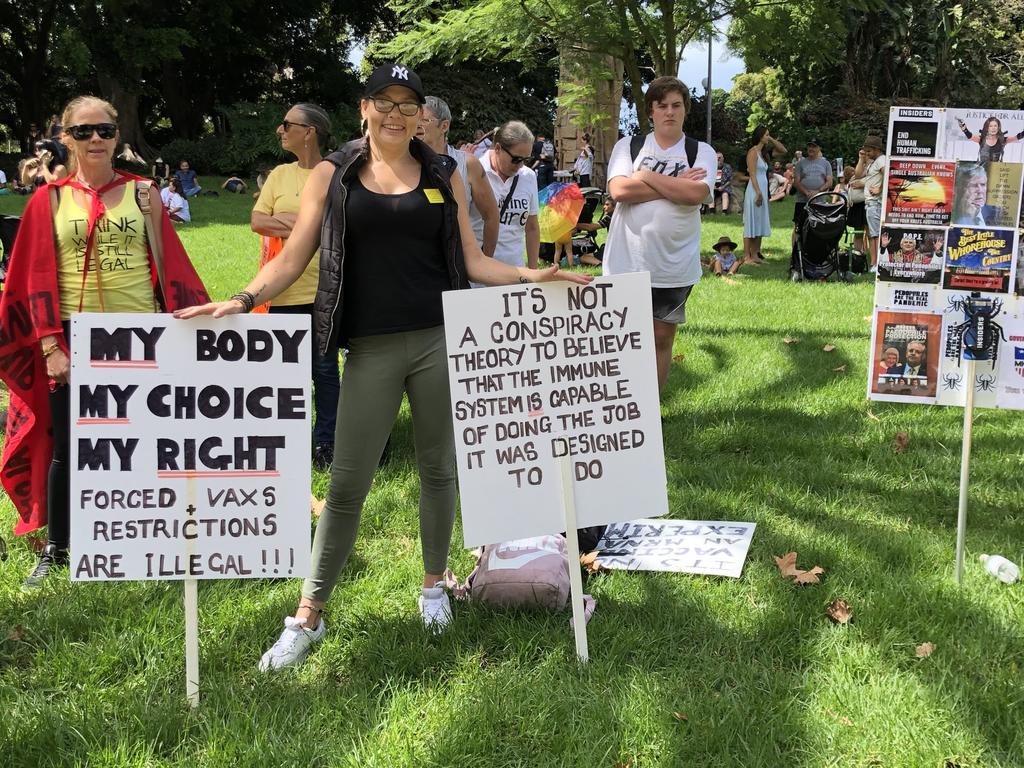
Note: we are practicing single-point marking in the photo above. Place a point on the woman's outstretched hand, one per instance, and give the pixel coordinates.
(214, 308)
(551, 274)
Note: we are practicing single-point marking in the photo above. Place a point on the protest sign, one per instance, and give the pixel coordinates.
(1011, 375)
(984, 135)
(540, 371)
(190, 447)
(906, 356)
(910, 254)
(919, 192)
(978, 259)
(714, 548)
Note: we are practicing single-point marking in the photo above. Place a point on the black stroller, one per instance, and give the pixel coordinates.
(816, 253)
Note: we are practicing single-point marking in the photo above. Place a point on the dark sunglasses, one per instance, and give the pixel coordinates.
(85, 131)
(286, 125)
(516, 159)
(407, 108)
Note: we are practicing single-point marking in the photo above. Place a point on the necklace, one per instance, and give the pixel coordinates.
(84, 183)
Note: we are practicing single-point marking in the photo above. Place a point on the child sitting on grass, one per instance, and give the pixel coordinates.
(724, 262)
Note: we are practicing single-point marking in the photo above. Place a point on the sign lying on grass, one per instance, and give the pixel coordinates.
(538, 371)
(713, 548)
(189, 447)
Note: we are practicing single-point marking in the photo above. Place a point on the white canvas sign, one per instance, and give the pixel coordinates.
(540, 370)
(190, 447)
(713, 548)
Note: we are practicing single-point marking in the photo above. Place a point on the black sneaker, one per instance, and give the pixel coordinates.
(323, 456)
(51, 557)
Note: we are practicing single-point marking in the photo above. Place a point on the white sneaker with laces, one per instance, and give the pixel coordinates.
(435, 609)
(293, 644)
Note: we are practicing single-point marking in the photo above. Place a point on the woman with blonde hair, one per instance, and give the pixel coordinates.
(304, 133)
(389, 215)
(58, 267)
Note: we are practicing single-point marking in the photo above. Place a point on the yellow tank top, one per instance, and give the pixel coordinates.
(119, 263)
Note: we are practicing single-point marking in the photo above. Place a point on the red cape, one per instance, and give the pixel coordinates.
(30, 310)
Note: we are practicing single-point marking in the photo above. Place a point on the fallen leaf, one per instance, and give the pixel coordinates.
(729, 280)
(787, 564)
(839, 369)
(924, 650)
(828, 348)
(681, 717)
(809, 577)
(678, 358)
(839, 611)
(843, 720)
(627, 764)
(589, 561)
(872, 416)
(316, 505)
(868, 318)
(16, 634)
(790, 340)
(899, 445)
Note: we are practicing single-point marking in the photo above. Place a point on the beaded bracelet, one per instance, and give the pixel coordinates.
(246, 299)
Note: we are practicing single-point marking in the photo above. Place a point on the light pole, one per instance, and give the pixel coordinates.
(707, 81)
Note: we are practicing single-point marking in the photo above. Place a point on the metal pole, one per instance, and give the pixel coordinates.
(711, 37)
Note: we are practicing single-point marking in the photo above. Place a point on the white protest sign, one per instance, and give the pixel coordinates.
(529, 365)
(190, 447)
(714, 548)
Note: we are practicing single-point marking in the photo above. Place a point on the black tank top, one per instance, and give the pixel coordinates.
(394, 270)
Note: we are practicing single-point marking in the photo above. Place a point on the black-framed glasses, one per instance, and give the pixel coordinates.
(286, 124)
(86, 130)
(516, 159)
(407, 108)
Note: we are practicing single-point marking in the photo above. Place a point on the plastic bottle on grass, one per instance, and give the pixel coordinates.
(1001, 568)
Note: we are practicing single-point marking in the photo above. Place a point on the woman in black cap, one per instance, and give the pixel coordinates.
(395, 235)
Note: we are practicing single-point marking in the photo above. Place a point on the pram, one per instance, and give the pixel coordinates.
(582, 242)
(816, 252)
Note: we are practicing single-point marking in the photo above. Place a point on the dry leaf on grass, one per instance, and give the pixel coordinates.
(899, 445)
(680, 716)
(16, 634)
(828, 348)
(316, 505)
(789, 570)
(839, 611)
(839, 369)
(790, 340)
(924, 650)
(627, 764)
(678, 358)
(843, 720)
(589, 561)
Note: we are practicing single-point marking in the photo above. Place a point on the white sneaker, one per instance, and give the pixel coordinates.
(435, 609)
(873, 270)
(293, 644)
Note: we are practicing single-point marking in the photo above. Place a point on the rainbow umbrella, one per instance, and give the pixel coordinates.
(560, 206)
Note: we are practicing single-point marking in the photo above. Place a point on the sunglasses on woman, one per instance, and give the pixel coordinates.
(287, 125)
(407, 108)
(516, 159)
(86, 130)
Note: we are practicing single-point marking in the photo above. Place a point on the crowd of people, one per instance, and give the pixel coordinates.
(365, 240)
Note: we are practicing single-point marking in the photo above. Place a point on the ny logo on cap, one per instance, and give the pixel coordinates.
(402, 73)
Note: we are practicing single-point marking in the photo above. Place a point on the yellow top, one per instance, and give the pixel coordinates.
(118, 265)
(280, 194)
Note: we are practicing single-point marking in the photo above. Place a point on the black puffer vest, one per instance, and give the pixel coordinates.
(330, 291)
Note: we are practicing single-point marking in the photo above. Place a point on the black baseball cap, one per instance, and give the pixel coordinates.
(394, 74)
(814, 141)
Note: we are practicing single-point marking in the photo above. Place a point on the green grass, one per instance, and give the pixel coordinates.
(755, 430)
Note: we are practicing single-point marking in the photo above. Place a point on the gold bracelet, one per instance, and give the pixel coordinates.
(51, 349)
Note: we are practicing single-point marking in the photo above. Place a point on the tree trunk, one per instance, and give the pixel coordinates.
(126, 102)
(185, 114)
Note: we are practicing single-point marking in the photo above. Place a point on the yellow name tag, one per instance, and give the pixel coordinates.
(433, 195)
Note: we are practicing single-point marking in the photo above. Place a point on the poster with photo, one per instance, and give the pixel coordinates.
(905, 362)
(978, 259)
(986, 195)
(915, 132)
(919, 193)
(1010, 392)
(1019, 288)
(952, 374)
(983, 135)
(911, 254)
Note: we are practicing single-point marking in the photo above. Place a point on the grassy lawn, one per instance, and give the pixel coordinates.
(755, 430)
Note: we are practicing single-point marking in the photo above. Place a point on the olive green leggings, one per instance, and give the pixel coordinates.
(378, 369)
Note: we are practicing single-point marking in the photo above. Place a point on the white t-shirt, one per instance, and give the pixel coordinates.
(873, 177)
(174, 200)
(3, 178)
(511, 247)
(585, 162)
(658, 236)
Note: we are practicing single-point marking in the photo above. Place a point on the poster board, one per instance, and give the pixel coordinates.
(951, 225)
(531, 365)
(709, 547)
(190, 447)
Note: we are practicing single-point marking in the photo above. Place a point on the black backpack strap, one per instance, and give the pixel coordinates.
(635, 145)
(508, 197)
(691, 150)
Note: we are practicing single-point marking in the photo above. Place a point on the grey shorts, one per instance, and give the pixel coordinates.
(669, 304)
(873, 215)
